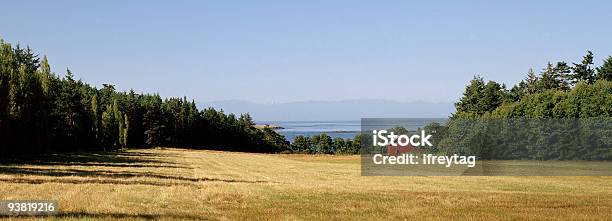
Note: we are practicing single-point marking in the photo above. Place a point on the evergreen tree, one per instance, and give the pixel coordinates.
(605, 71)
(71, 111)
(468, 104)
(492, 96)
(532, 82)
(480, 98)
(301, 144)
(109, 128)
(563, 75)
(554, 77)
(152, 122)
(583, 70)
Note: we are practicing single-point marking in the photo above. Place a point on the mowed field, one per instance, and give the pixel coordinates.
(176, 184)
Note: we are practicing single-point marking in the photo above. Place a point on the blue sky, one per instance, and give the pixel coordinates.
(282, 51)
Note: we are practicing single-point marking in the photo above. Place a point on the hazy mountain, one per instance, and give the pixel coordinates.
(333, 110)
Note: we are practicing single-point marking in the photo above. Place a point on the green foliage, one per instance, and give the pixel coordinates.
(274, 139)
(530, 138)
(605, 71)
(437, 131)
(324, 144)
(301, 144)
(583, 70)
(561, 103)
(41, 112)
(480, 98)
(556, 92)
(582, 101)
(553, 77)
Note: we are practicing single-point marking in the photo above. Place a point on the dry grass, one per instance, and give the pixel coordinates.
(174, 184)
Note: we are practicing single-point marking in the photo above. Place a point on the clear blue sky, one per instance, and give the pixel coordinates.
(279, 51)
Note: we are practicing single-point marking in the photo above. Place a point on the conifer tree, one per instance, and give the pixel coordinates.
(471, 97)
(605, 71)
(583, 70)
(532, 82)
(109, 128)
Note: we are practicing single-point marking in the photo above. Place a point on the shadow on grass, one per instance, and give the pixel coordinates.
(114, 177)
(95, 164)
(91, 173)
(89, 181)
(86, 215)
(112, 159)
(88, 157)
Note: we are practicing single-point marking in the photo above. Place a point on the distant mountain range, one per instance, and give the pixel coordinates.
(333, 110)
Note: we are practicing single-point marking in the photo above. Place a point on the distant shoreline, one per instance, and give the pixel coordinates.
(271, 126)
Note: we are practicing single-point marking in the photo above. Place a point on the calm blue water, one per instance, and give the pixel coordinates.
(341, 129)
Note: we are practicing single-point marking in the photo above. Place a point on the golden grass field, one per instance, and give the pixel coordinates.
(176, 184)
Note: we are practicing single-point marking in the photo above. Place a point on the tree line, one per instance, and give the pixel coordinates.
(324, 144)
(41, 112)
(535, 119)
(560, 90)
(538, 117)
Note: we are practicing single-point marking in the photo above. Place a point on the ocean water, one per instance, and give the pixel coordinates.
(335, 129)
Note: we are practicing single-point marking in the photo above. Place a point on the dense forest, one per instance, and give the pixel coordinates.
(41, 112)
(559, 91)
(562, 113)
